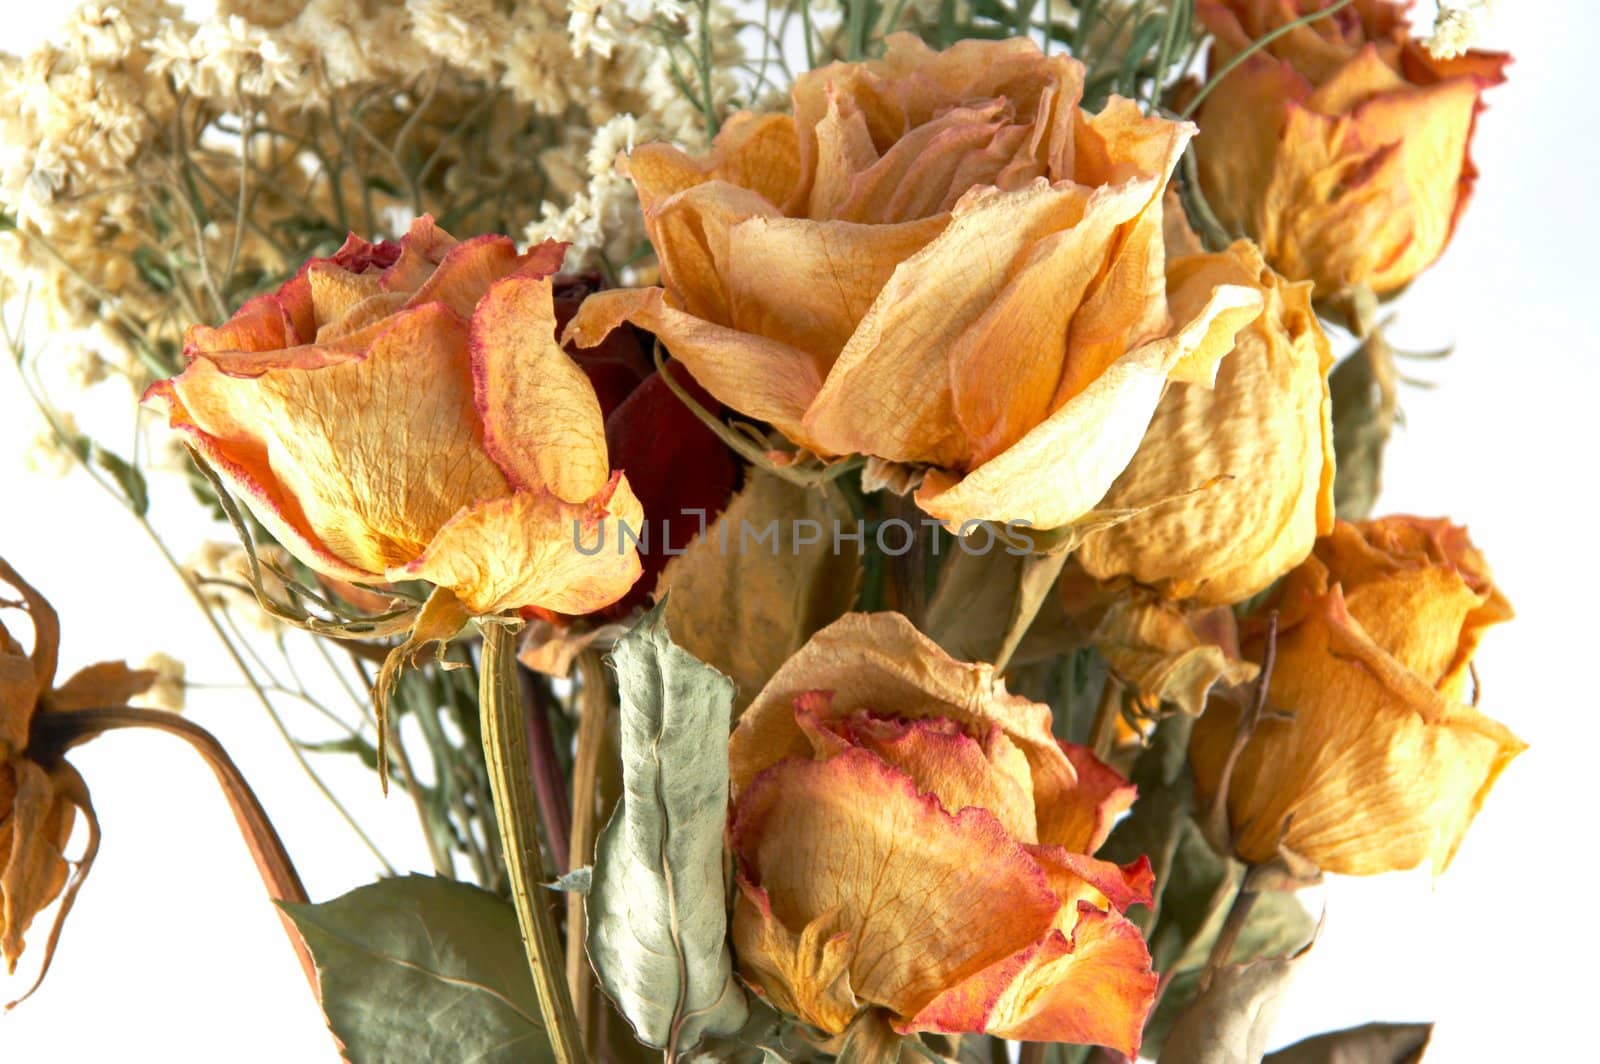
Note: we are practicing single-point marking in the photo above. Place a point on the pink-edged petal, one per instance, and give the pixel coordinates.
(541, 418)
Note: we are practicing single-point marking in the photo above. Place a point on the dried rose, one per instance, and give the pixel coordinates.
(913, 840)
(1265, 426)
(1372, 762)
(403, 411)
(1342, 146)
(938, 261)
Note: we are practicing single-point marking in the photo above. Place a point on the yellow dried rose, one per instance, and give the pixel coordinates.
(41, 795)
(1372, 761)
(912, 841)
(1265, 425)
(404, 412)
(1342, 146)
(939, 261)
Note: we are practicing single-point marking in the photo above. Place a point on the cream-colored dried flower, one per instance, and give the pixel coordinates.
(46, 454)
(169, 689)
(1458, 26)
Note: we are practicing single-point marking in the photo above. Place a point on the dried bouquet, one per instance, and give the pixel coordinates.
(849, 521)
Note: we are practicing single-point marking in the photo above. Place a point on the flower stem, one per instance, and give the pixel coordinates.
(1255, 46)
(1232, 926)
(277, 871)
(505, 748)
(549, 788)
(595, 700)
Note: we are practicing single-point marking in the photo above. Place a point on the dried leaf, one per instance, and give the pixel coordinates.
(1372, 1043)
(1231, 1020)
(424, 970)
(750, 592)
(657, 903)
(1362, 388)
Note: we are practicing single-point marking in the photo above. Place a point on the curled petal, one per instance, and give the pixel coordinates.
(1100, 429)
(881, 662)
(762, 378)
(532, 549)
(806, 975)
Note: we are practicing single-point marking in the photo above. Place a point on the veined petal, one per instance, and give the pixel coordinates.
(541, 417)
(356, 463)
(808, 284)
(807, 975)
(532, 549)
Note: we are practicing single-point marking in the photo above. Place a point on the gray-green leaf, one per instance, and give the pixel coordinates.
(1372, 1043)
(424, 970)
(1231, 1020)
(658, 920)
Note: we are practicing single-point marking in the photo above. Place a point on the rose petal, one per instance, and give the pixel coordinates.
(541, 418)
(760, 378)
(1062, 468)
(532, 549)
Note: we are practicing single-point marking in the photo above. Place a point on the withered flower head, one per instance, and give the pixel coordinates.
(1342, 146)
(404, 412)
(1260, 439)
(912, 839)
(1371, 760)
(42, 795)
(939, 261)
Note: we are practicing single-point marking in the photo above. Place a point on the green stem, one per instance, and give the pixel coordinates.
(1256, 46)
(505, 748)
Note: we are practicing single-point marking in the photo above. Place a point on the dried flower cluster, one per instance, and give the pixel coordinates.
(971, 422)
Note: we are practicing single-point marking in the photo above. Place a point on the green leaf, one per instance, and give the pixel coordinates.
(127, 476)
(1373, 1043)
(424, 970)
(658, 920)
(1362, 389)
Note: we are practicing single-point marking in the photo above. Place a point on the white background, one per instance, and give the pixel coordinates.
(173, 953)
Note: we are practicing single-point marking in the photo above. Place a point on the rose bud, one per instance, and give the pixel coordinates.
(939, 261)
(404, 412)
(1265, 426)
(1342, 146)
(1369, 760)
(911, 839)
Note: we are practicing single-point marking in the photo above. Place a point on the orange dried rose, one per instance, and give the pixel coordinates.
(1342, 146)
(41, 795)
(1376, 764)
(1265, 425)
(404, 412)
(940, 261)
(912, 839)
